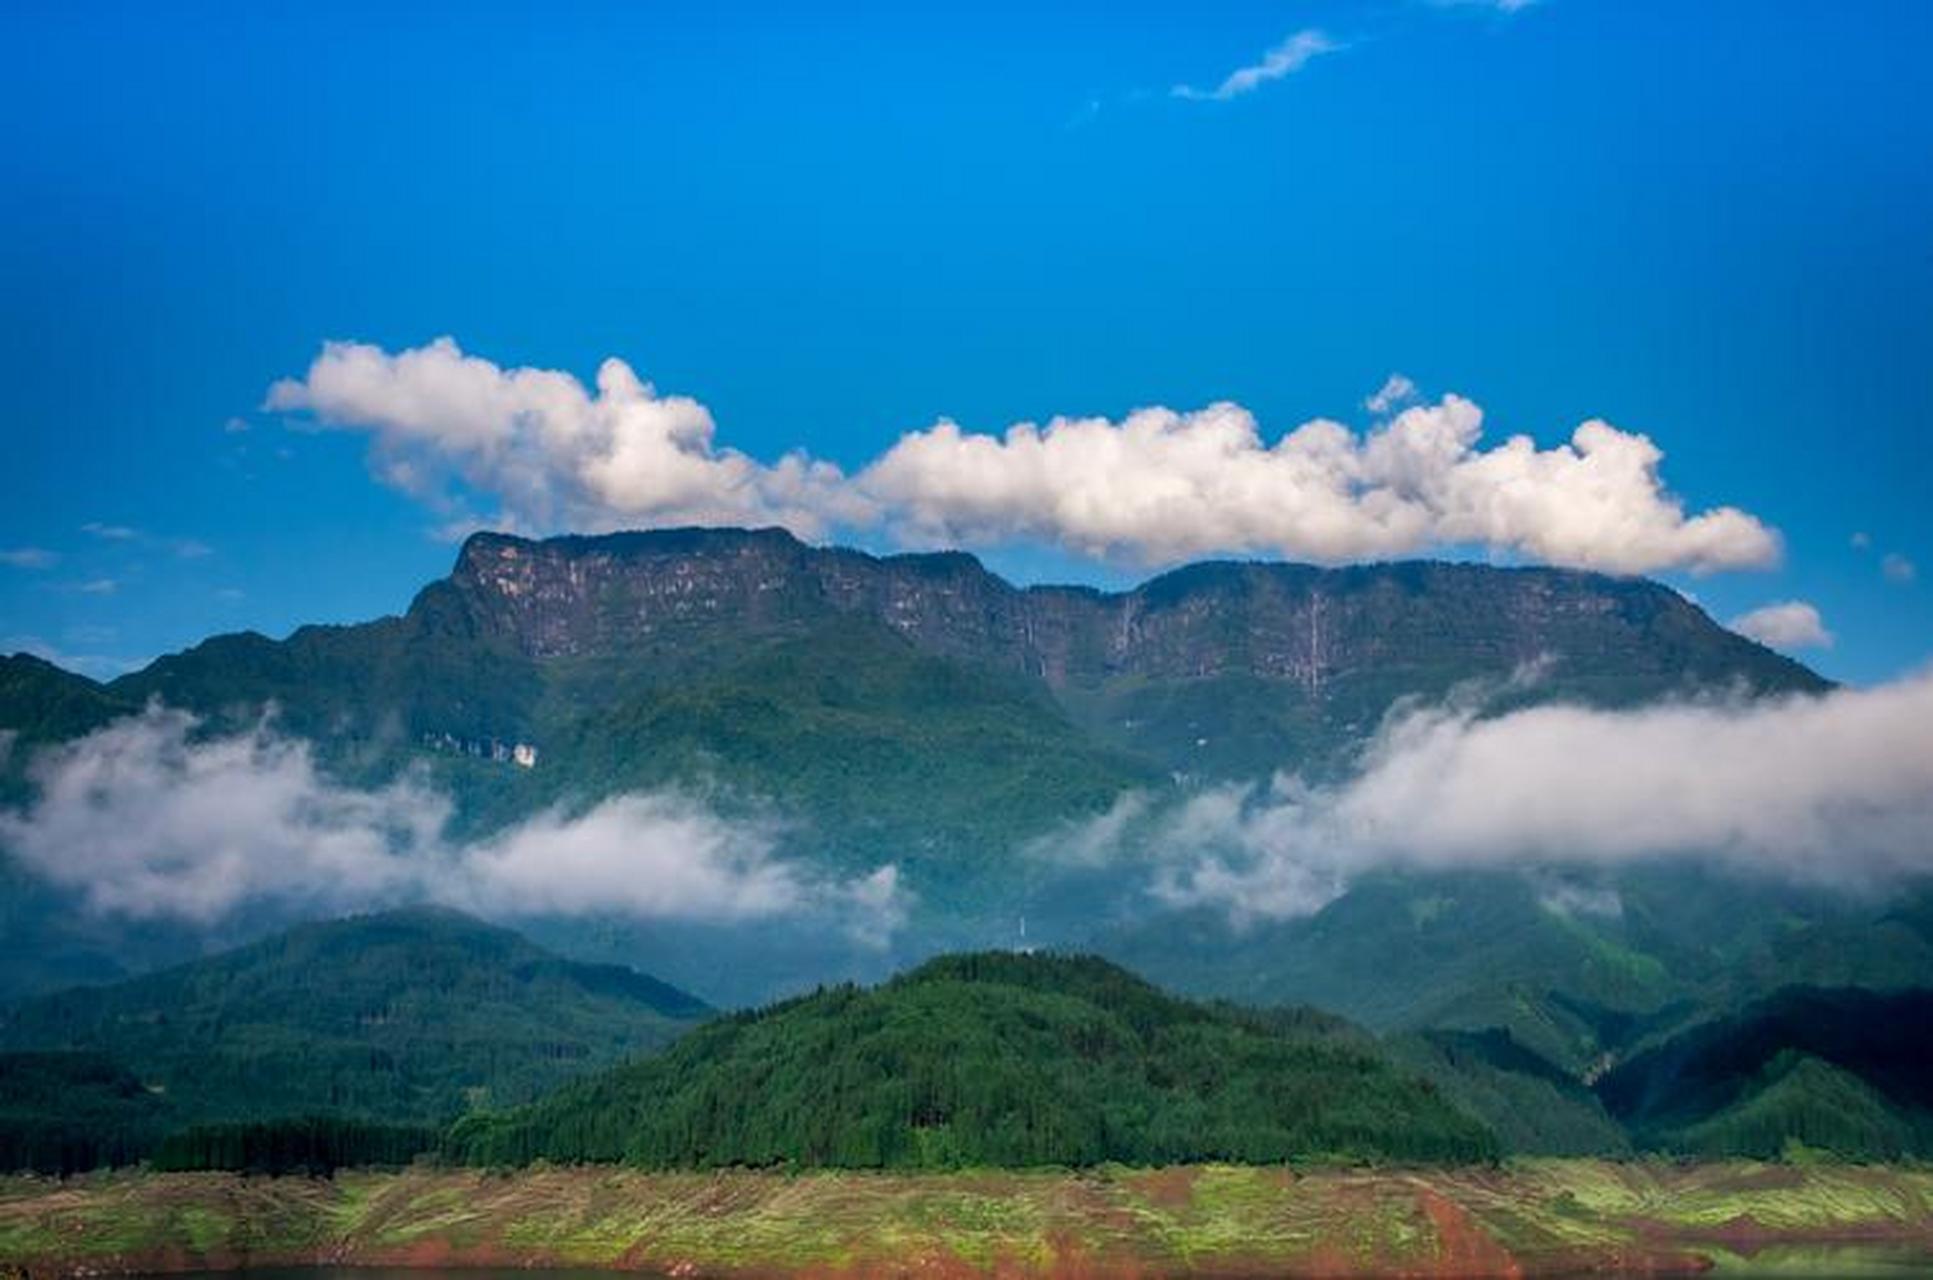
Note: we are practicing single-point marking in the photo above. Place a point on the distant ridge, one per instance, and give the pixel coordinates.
(402, 1016)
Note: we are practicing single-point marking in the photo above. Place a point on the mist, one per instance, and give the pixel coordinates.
(147, 819)
(1833, 790)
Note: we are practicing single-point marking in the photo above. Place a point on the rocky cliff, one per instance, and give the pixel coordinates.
(1220, 666)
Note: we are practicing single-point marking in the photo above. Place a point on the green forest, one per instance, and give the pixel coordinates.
(409, 1017)
(423, 1034)
(992, 1059)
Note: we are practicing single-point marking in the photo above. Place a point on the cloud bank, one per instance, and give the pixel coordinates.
(144, 819)
(1792, 624)
(1157, 486)
(1834, 789)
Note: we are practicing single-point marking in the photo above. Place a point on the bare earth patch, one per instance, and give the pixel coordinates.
(1534, 1218)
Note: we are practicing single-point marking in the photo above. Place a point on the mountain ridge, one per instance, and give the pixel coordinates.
(405, 1015)
(1217, 669)
(961, 588)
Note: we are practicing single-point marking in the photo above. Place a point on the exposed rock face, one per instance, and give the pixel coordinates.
(589, 596)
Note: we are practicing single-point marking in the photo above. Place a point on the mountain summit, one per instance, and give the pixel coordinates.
(1305, 655)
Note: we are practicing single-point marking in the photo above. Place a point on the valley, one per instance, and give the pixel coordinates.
(1017, 1050)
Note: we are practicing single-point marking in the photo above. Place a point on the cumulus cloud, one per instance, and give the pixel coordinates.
(1830, 789)
(1157, 486)
(28, 558)
(1898, 568)
(1791, 624)
(553, 452)
(1284, 59)
(147, 819)
(1161, 485)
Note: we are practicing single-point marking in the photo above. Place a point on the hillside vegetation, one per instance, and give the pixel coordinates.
(1838, 1071)
(65, 1112)
(991, 1059)
(408, 1016)
(1622, 962)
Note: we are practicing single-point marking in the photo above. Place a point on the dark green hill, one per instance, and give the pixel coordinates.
(991, 1059)
(1533, 1107)
(65, 1112)
(408, 1016)
(41, 703)
(1841, 1070)
(1582, 980)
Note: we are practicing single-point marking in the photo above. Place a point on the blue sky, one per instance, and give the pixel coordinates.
(1710, 223)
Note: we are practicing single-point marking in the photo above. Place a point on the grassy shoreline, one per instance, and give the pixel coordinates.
(1542, 1217)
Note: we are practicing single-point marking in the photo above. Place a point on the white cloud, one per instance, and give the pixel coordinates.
(1791, 624)
(1095, 841)
(98, 587)
(146, 819)
(1567, 899)
(28, 558)
(651, 856)
(551, 452)
(1155, 487)
(111, 532)
(1862, 541)
(1284, 59)
(1831, 789)
(148, 823)
(1496, 6)
(1397, 390)
(1160, 486)
(1898, 568)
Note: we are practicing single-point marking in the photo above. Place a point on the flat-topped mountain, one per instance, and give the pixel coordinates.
(587, 596)
(1218, 669)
